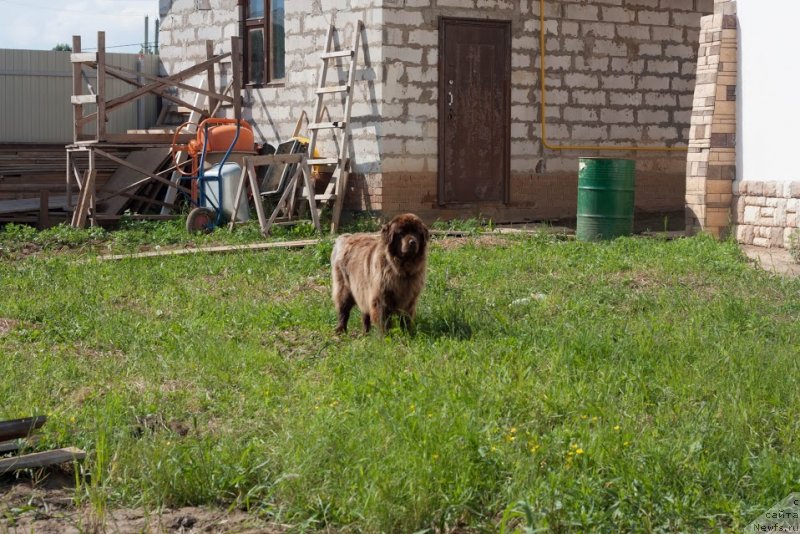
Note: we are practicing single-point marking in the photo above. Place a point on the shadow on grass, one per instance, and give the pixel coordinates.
(444, 324)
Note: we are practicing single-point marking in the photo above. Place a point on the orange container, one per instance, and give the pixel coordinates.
(221, 133)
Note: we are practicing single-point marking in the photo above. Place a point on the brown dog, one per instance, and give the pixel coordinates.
(381, 274)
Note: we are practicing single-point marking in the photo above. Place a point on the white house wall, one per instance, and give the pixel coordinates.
(767, 179)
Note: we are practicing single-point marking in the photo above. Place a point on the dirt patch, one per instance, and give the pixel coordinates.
(484, 240)
(774, 260)
(7, 325)
(46, 505)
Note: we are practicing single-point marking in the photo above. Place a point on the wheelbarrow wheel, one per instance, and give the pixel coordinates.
(201, 221)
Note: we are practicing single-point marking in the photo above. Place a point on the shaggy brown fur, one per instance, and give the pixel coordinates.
(381, 274)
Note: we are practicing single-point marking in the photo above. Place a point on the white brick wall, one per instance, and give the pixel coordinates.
(617, 71)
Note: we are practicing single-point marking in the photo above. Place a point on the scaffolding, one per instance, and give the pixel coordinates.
(143, 155)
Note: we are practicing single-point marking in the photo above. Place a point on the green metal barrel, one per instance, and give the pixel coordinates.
(605, 198)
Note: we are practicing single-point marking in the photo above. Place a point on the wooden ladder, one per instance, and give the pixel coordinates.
(336, 189)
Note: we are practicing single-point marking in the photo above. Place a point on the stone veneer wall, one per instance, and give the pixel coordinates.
(711, 162)
(619, 72)
(766, 213)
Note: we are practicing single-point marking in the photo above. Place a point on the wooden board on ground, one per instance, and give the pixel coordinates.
(32, 204)
(41, 459)
(20, 428)
(149, 159)
(227, 248)
(17, 444)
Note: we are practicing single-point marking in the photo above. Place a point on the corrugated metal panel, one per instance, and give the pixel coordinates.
(36, 86)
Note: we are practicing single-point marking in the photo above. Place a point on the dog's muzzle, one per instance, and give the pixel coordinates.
(410, 246)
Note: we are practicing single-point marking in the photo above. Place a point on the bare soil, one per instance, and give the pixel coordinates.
(46, 505)
(774, 260)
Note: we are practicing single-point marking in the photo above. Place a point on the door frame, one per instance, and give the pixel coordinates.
(442, 111)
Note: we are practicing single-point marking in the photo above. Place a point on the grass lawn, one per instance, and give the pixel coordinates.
(637, 385)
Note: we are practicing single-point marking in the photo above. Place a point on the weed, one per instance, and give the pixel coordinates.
(634, 385)
(794, 245)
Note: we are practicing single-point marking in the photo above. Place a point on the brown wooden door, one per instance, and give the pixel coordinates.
(474, 110)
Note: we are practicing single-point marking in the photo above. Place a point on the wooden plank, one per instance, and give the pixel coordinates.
(20, 428)
(41, 459)
(336, 54)
(83, 57)
(101, 86)
(256, 190)
(323, 161)
(157, 131)
(150, 138)
(31, 204)
(227, 248)
(177, 77)
(180, 157)
(77, 88)
(272, 159)
(326, 125)
(142, 162)
(119, 74)
(84, 201)
(312, 202)
(333, 89)
(17, 444)
(211, 80)
(236, 73)
(83, 99)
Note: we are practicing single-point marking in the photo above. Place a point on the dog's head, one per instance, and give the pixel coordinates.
(406, 236)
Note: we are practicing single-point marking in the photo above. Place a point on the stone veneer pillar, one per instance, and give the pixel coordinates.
(711, 161)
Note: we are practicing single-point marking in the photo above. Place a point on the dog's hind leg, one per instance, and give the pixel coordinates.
(344, 303)
(366, 322)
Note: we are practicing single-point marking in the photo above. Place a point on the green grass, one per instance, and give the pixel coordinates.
(638, 385)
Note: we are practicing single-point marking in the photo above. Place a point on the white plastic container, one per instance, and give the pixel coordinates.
(228, 183)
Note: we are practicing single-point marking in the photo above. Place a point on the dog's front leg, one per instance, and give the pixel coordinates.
(377, 316)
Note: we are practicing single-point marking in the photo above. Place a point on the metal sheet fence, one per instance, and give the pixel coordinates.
(35, 91)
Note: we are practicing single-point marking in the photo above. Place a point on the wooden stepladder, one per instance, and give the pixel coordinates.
(300, 190)
(337, 187)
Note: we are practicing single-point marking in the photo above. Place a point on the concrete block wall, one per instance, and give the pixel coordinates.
(618, 73)
(275, 108)
(185, 28)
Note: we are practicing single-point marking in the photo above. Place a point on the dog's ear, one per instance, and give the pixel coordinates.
(387, 233)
